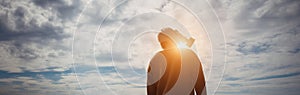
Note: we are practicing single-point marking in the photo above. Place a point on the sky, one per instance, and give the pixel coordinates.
(92, 47)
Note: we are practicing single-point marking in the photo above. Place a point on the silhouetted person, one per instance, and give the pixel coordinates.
(174, 70)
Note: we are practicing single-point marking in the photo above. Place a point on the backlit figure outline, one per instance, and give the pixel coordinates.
(176, 70)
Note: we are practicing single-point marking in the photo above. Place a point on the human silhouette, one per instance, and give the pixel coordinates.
(175, 70)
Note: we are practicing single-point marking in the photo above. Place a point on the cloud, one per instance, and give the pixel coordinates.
(245, 48)
(26, 84)
(278, 76)
(35, 45)
(21, 24)
(64, 9)
(262, 46)
(51, 75)
(35, 53)
(34, 33)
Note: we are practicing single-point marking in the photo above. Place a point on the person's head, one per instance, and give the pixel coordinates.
(170, 38)
(166, 41)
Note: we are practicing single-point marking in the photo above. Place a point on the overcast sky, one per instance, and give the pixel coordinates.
(92, 47)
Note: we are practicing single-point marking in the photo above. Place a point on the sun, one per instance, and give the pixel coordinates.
(181, 45)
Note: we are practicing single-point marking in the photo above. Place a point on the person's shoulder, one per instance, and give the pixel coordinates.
(159, 54)
(158, 58)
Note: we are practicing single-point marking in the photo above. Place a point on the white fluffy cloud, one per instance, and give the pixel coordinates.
(262, 48)
(36, 43)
